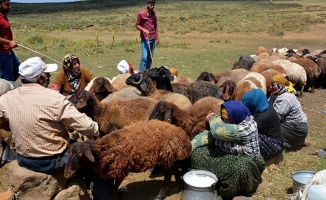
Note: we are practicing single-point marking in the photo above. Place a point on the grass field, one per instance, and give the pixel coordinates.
(196, 36)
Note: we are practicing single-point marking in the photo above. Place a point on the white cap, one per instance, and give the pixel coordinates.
(35, 66)
(123, 67)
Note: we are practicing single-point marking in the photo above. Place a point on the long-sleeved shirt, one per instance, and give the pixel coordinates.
(5, 33)
(145, 21)
(289, 108)
(239, 138)
(39, 118)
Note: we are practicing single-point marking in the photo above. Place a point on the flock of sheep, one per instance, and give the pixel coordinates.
(149, 118)
(130, 110)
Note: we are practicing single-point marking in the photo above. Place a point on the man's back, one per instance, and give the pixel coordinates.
(38, 118)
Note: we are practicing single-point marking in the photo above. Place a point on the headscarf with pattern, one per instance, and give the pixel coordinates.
(73, 77)
(255, 100)
(282, 84)
(236, 110)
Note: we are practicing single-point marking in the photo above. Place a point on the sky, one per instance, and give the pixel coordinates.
(41, 1)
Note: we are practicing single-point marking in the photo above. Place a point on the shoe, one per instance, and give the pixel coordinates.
(322, 153)
(9, 195)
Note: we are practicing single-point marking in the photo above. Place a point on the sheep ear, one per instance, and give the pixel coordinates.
(143, 86)
(108, 87)
(89, 154)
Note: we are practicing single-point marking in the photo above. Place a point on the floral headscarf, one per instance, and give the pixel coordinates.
(73, 77)
(282, 84)
(236, 110)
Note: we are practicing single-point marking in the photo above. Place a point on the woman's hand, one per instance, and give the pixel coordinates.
(209, 116)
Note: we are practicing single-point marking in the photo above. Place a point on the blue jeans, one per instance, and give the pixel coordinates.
(146, 56)
(101, 189)
(9, 66)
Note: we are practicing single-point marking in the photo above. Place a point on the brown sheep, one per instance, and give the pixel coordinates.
(311, 68)
(135, 148)
(101, 88)
(193, 119)
(114, 114)
(252, 80)
(260, 50)
(235, 75)
(321, 62)
(268, 74)
(228, 89)
(206, 76)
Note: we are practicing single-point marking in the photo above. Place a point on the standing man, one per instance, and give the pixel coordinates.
(147, 25)
(8, 60)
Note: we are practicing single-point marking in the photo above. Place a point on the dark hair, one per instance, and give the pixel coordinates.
(148, 1)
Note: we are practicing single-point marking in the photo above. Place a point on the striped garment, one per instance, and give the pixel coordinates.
(39, 117)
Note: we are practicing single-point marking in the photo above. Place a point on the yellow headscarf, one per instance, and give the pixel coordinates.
(283, 81)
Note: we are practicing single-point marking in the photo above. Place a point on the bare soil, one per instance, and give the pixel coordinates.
(138, 186)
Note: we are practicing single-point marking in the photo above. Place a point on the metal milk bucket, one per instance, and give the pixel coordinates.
(300, 178)
(199, 185)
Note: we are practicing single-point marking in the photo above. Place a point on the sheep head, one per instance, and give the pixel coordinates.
(228, 89)
(206, 76)
(139, 81)
(162, 76)
(79, 156)
(101, 88)
(162, 111)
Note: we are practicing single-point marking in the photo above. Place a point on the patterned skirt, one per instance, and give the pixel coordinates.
(237, 174)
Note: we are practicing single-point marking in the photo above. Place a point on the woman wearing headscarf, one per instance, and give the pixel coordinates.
(269, 126)
(230, 150)
(294, 125)
(73, 78)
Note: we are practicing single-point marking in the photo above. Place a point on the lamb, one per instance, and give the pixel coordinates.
(145, 84)
(115, 114)
(135, 148)
(295, 72)
(252, 80)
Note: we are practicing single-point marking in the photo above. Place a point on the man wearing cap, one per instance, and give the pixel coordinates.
(147, 25)
(39, 118)
(8, 60)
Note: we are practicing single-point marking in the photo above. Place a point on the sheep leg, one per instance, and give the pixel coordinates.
(177, 176)
(167, 179)
(116, 188)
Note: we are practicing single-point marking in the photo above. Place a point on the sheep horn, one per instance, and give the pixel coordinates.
(140, 80)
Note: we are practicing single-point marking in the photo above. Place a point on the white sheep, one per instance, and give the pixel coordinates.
(295, 72)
